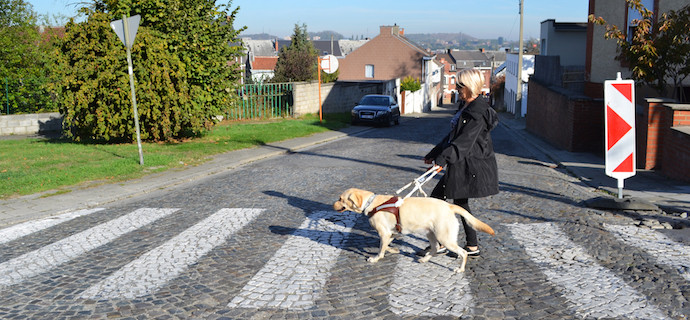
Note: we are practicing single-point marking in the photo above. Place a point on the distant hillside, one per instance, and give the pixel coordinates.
(426, 37)
(326, 35)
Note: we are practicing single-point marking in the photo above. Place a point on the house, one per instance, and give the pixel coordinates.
(600, 53)
(663, 134)
(574, 120)
(262, 55)
(568, 40)
(483, 60)
(511, 85)
(261, 58)
(390, 55)
(450, 94)
(562, 54)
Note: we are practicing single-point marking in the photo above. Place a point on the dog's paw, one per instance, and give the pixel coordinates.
(425, 258)
(373, 259)
(393, 250)
(459, 270)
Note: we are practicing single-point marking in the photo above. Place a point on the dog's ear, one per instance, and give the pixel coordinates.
(356, 199)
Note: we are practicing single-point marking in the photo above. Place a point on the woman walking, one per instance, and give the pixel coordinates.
(467, 153)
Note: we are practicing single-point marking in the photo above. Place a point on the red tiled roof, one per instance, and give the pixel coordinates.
(264, 63)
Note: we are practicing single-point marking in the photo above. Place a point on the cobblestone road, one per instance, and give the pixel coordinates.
(262, 242)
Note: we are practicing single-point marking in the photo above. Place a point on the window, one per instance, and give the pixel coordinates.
(633, 14)
(369, 71)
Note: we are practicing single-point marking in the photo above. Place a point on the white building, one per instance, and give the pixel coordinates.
(511, 86)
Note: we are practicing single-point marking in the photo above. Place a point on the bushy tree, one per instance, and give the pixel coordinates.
(22, 57)
(298, 61)
(410, 84)
(328, 78)
(183, 77)
(658, 53)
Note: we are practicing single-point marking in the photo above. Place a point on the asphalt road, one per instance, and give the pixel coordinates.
(262, 242)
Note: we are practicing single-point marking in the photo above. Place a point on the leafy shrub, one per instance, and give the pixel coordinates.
(180, 62)
(410, 84)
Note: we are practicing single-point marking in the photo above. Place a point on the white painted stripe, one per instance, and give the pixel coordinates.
(659, 246)
(427, 289)
(155, 268)
(24, 229)
(594, 290)
(33, 263)
(297, 272)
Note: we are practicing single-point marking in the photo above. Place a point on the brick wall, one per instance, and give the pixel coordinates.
(567, 119)
(676, 160)
(30, 123)
(658, 120)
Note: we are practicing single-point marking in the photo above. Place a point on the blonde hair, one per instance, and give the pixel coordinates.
(473, 79)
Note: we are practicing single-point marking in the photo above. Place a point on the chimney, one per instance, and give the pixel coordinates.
(481, 50)
(390, 30)
(277, 45)
(402, 31)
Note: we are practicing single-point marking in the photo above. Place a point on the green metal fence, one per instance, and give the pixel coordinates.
(259, 101)
(25, 95)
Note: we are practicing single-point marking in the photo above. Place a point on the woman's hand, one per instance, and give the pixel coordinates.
(428, 161)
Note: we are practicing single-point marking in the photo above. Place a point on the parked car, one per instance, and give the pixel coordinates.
(376, 109)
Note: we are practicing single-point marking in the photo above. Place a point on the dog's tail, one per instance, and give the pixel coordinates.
(471, 220)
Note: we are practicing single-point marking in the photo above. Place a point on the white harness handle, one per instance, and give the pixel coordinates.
(420, 181)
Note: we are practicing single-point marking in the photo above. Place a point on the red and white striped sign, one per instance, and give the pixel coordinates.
(619, 99)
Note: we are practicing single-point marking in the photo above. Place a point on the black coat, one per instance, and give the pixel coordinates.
(468, 154)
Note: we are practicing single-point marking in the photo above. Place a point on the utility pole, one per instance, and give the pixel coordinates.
(518, 98)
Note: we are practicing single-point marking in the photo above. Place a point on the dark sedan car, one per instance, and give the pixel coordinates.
(376, 109)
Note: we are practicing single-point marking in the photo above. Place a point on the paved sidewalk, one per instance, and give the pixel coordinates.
(645, 186)
(588, 168)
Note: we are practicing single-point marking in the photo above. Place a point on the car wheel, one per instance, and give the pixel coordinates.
(397, 121)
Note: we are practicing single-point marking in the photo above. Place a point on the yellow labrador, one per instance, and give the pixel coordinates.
(432, 216)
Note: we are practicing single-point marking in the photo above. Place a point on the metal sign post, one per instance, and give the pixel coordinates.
(126, 30)
(328, 64)
(619, 100)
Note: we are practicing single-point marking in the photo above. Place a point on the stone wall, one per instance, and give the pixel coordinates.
(337, 97)
(30, 123)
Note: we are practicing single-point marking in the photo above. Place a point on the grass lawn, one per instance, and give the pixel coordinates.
(35, 165)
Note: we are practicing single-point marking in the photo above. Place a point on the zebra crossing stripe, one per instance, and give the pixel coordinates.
(297, 272)
(665, 250)
(427, 289)
(24, 229)
(585, 284)
(155, 268)
(38, 261)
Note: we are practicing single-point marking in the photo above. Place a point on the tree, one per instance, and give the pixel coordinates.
(410, 84)
(298, 61)
(22, 57)
(181, 68)
(658, 53)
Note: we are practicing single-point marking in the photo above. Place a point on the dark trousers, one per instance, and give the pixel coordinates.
(470, 234)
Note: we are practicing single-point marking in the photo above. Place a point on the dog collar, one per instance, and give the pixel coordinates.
(368, 203)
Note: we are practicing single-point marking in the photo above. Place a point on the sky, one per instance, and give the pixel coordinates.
(480, 19)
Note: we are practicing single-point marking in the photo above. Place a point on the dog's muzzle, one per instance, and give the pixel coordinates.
(337, 206)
